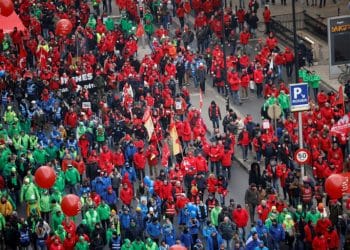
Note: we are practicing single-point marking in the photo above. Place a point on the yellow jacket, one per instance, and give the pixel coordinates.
(6, 208)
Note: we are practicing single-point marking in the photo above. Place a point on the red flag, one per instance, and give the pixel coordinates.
(165, 155)
(340, 100)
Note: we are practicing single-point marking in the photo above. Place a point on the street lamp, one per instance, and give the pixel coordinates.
(296, 72)
(223, 3)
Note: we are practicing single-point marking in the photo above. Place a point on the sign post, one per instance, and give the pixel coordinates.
(299, 101)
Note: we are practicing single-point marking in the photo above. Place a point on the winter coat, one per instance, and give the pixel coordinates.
(154, 230)
(240, 217)
(277, 233)
(126, 195)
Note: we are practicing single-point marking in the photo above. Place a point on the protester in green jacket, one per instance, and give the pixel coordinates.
(57, 219)
(44, 204)
(14, 128)
(314, 83)
(104, 211)
(151, 245)
(40, 156)
(61, 233)
(33, 141)
(72, 178)
(109, 23)
(82, 244)
(284, 102)
(214, 215)
(92, 217)
(60, 183)
(138, 244)
(51, 151)
(127, 245)
(313, 215)
(91, 22)
(3, 133)
(30, 195)
(24, 140)
(10, 116)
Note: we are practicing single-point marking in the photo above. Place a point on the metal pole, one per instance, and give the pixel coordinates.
(295, 44)
(224, 46)
(296, 69)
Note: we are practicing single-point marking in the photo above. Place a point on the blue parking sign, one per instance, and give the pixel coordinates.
(299, 97)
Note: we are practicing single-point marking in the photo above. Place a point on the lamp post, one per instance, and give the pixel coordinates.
(223, 3)
(296, 72)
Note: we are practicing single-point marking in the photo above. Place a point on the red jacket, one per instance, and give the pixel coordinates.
(308, 233)
(244, 38)
(332, 240)
(258, 76)
(267, 15)
(201, 164)
(71, 119)
(322, 226)
(319, 243)
(240, 217)
(263, 212)
(212, 183)
(215, 153)
(126, 195)
(226, 160)
(166, 191)
(139, 160)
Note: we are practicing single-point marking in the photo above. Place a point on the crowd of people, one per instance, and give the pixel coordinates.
(121, 132)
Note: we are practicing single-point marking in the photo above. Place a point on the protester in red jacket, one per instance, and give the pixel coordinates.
(126, 195)
(319, 242)
(244, 37)
(71, 119)
(332, 238)
(201, 164)
(240, 217)
(140, 160)
(263, 211)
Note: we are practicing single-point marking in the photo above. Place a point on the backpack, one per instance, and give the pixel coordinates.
(24, 238)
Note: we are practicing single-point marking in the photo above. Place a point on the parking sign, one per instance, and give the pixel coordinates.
(299, 97)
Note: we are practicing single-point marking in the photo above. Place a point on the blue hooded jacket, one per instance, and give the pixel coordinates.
(210, 243)
(110, 198)
(169, 235)
(131, 171)
(98, 186)
(277, 233)
(125, 220)
(154, 229)
(186, 239)
(193, 227)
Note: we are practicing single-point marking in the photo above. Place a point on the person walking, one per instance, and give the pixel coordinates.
(252, 200)
(227, 230)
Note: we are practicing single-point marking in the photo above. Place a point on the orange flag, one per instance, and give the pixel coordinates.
(148, 123)
(175, 139)
(139, 31)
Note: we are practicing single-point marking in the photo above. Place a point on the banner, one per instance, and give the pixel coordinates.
(83, 81)
(342, 126)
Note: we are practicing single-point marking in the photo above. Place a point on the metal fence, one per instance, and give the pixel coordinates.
(315, 27)
(287, 20)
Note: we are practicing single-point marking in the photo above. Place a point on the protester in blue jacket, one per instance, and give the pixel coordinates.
(125, 218)
(186, 238)
(193, 227)
(154, 230)
(252, 242)
(99, 186)
(261, 229)
(214, 241)
(110, 197)
(168, 232)
(208, 229)
(131, 172)
(184, 216)
(276, 235)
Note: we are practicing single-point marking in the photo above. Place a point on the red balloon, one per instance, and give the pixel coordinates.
(71, 205)
(64, 27)
(334, 186)
(6, 7)
(45, 177)
(177, 247)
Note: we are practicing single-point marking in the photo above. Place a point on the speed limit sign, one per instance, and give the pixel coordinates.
(302, 156)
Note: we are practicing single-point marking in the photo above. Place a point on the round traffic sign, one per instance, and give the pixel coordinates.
(302, 156)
